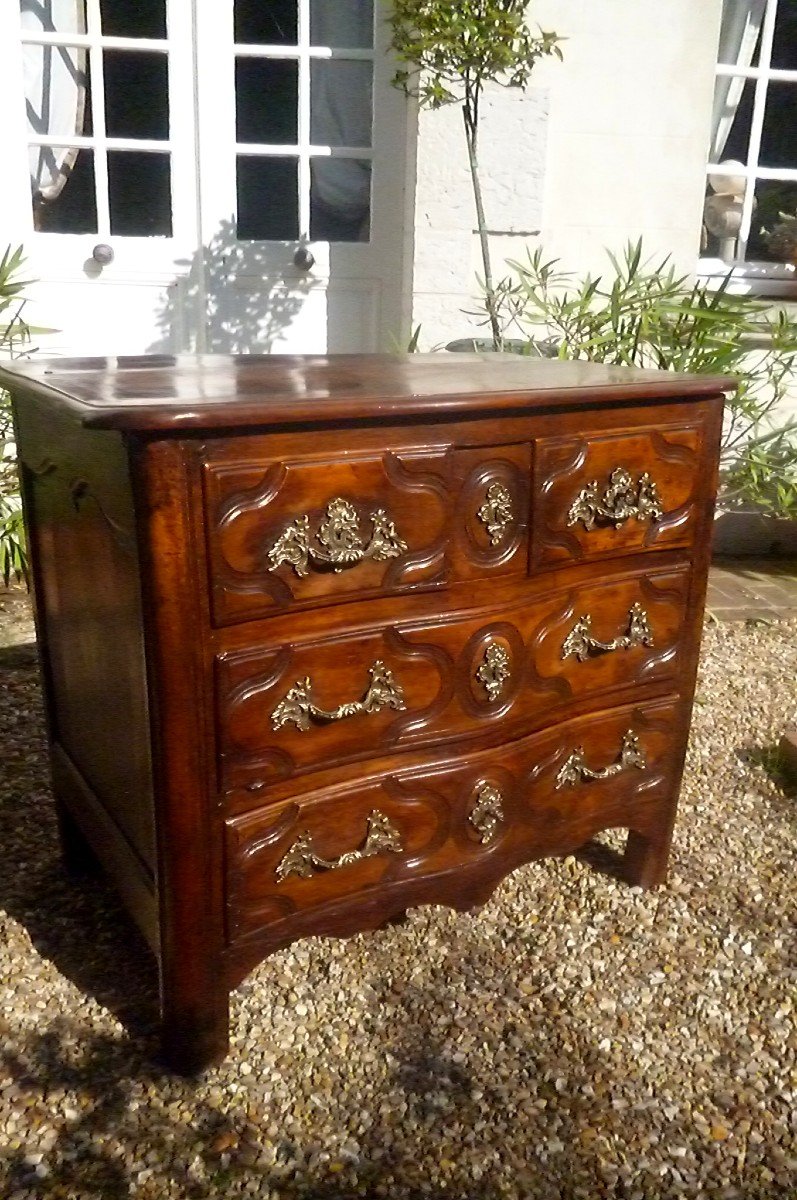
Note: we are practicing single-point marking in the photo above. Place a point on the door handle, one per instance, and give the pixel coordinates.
(304, 259)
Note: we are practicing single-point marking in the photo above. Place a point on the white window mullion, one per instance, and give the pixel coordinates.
(94, 26)
(757, 125)
(304, 118)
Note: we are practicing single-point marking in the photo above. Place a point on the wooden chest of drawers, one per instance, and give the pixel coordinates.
(323, 639)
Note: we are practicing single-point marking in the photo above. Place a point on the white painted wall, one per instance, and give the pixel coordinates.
(608, 145)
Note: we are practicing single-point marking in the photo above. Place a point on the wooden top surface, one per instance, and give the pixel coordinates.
(161, 393)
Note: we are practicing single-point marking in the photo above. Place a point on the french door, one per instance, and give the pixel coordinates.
(226, 175)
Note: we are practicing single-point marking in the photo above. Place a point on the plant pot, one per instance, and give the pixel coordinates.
(752, 533)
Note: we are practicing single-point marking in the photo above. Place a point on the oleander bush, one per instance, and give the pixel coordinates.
(643, 314)
(15, 337)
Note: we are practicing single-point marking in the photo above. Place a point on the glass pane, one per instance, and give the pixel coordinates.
(722, 216)
(779, 136)
(773, 237)
(740, 32)
(340, 200)
(268, 199)
(267, 100)
(57, 89)
(142, 19)
(343, 24)
(340, 103)
(66, 203)
(784, 47)
(139, 186)
(731, 119)
(136, 94)
(266, 22)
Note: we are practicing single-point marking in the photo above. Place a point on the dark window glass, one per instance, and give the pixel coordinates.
(136, 94)
(139, 186)
(266, 100)
(340, 102)
(344, 24)
(740, 115)
(266, 22)
(268, 199)
(74, 209)
(773, 237)
(779, 136)
(133, 18)
(784, 46)
(340, 200)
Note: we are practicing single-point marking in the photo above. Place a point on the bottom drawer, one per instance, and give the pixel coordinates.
(544, 794)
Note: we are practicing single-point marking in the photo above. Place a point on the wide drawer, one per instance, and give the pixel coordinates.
(546, 794)
(612, 494)
(292, 533)
(303, 705)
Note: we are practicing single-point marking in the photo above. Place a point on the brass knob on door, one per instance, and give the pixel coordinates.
(303, 259)
(103, 254)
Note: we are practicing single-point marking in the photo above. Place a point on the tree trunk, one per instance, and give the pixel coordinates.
(470, 116)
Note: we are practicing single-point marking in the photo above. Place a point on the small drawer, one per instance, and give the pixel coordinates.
(294, 533)
(312, 704)
(608, 495)
(546, 794)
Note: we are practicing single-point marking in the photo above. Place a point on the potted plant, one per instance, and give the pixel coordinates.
(449, 52)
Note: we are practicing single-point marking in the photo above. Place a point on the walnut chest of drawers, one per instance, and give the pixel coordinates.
(326, 638)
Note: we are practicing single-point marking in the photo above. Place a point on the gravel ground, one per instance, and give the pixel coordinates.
(573, 1038)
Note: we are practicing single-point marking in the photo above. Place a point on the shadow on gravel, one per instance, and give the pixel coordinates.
(78, 923)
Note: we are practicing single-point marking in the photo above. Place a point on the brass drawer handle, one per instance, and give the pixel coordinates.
(581, 643)
(339, 543)
(487, 812)
(621, 500)
(494, 670)
(496, 513)
(298, 708)
(576, 770)
(302, 860)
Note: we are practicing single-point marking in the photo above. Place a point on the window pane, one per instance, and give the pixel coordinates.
(773, 237)
(779, 137)
(136, 94)
(784, 47)
(141, 19)
(268, 199)
(57, 88)
(740, 32)
(340, 103)
(344, 24)
(340, 200)
(68, 204)
(267, 100)
(266, 22)
(139, 186)
(731, 119)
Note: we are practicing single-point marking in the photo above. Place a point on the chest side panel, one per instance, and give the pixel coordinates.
(79, 509)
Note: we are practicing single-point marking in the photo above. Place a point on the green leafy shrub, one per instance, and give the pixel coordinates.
(14, 340)
(646, 315)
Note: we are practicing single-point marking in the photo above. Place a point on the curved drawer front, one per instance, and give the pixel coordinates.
(616, 494)
(309, 705)
(294, 533)
(546, 794)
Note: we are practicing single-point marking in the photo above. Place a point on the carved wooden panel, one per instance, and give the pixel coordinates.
(616, 494)
(299, 532)
(313, 704)
(329, 846)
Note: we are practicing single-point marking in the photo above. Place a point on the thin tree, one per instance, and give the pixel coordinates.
(449, 50)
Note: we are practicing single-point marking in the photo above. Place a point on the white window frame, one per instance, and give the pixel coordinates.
(751, 276)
